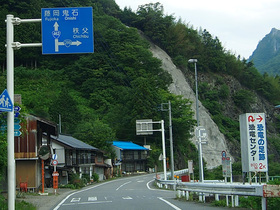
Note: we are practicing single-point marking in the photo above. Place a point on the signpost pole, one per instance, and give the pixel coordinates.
(43, 176)
(10, 115)
(171, 141)
(163, 149)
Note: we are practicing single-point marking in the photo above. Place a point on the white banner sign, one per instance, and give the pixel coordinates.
(253, 142)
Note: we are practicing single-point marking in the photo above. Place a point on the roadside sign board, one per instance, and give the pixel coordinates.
(190, 166)
(144, 127)
(272, 191)
(200, 132)
(17, 108)
(55, 173)
(67, 30)
(6, 104)
(226, 165)
(54, 156)
(253, 142)
(54, 162)
(17, 133)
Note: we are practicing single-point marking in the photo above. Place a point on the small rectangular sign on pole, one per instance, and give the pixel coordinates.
(190, 166)
(144, 127)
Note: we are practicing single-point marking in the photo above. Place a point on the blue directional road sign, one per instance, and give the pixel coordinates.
(67, 30)
(17, 108)
(17, 133)
(6, 104)
(17, 126)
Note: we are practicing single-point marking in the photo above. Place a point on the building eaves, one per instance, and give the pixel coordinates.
(73, 142)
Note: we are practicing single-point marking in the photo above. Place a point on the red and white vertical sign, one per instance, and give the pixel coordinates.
(253, 142)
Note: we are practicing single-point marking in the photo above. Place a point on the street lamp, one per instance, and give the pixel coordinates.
(201, 176)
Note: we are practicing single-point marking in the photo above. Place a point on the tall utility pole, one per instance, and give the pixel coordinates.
(171, 137)
(201, 176)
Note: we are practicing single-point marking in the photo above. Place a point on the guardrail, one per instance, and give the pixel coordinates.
(217, 187)
(222, 188)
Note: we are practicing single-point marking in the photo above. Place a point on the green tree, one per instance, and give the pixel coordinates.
(3, 147)
(97, 134)
(65, 106)
(244, 99)
(153, 22)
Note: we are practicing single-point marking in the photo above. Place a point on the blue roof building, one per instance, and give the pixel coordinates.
(131, 157)
(125, 145)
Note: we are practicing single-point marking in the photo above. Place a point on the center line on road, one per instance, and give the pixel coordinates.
(122, 185)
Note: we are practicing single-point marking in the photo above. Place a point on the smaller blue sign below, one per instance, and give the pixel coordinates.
(6, 104)
(67, 30)
(17, 126)
(16, 114)
(17, 133)
(17, 108)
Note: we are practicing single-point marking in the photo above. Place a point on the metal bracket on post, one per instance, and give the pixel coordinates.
(18, 45)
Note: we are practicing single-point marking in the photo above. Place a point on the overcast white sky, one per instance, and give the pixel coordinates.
(238, 24)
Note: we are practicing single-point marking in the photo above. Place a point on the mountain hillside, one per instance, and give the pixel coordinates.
(216, 141)
(100, 96)
(266, 57)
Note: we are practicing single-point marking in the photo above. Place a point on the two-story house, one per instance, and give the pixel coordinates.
(132, 157)
(35, 149)
(76, 156)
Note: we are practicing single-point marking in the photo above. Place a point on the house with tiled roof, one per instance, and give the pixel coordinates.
(75, 156)
(130, 156)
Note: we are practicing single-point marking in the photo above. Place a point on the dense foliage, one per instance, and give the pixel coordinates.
(100, 96)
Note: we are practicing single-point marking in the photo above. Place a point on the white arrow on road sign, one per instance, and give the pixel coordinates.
(17, 108)
(17, 133)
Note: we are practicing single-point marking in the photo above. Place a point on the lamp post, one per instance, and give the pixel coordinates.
(201, 176)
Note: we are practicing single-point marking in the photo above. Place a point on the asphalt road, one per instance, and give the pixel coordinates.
(133, 193)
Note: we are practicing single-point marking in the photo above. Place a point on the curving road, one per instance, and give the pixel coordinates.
(131, 193)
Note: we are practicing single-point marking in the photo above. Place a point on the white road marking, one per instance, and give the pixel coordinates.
(170, 204)
(122, 185)
(90, 188)
(75, 200)
(83, 203)
(92, 198)
(127, 198)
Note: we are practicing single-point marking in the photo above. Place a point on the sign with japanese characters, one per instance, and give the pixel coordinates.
(253, 142)
(67, 30)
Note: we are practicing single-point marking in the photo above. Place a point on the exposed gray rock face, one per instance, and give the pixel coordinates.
(216, 140)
